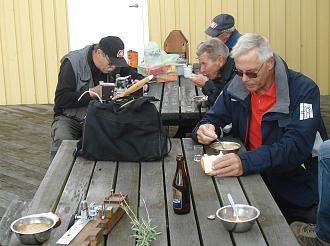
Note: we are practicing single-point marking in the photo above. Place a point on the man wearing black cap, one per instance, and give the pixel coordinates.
(223, 28)
(81, 71)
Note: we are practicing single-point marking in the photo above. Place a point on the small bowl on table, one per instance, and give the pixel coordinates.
(247, 216)
(201, 101)
(35, 228)
(225, 147)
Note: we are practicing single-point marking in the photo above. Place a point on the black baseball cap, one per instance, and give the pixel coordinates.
(113, 47)
(219, 24)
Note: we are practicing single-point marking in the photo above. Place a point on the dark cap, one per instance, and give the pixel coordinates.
(219, 24)
(113, 47)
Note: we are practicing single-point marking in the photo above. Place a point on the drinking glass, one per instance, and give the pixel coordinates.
(198, 152)
(187, 71)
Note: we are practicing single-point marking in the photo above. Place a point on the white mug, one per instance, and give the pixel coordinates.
(187, 71)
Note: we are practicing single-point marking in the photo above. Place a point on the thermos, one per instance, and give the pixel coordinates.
(132, 57)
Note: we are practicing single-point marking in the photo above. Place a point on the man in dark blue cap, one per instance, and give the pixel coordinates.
(223, 28)
(80, 74)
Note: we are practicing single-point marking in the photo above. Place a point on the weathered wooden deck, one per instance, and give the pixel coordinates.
(24, 148)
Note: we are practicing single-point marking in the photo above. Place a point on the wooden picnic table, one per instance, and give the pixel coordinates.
(175, 105)
(68, 179)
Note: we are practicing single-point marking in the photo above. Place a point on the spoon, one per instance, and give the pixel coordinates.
(221, 145)
(232, 204)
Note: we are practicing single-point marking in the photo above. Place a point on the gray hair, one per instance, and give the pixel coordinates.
(250, 41)
(214, 48)
(232, 29)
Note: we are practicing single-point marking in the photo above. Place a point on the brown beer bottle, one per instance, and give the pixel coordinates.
(181, 188)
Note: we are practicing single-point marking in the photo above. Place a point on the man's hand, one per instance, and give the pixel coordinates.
(96, 90)
(228, 165)
(206, 134)
(198, 80)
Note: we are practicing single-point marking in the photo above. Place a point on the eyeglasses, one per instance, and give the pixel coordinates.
(251, 75)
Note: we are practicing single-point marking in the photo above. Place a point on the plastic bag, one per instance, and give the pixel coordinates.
(152, 55)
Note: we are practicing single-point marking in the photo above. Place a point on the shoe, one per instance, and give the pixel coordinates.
(306, 235)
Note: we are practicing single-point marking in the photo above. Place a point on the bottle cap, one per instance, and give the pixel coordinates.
(179, 157)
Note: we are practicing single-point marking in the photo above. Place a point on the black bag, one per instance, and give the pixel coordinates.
(123, 130)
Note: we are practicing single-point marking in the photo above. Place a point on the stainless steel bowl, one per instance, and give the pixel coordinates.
(35, 228)
(201, 101)
(225, 147)
(247, 216)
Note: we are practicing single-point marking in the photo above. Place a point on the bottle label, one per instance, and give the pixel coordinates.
(177, 199)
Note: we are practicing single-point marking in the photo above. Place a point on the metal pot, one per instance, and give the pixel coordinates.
(247, 216)
(225, 147)
(201, 101)
(35, 228)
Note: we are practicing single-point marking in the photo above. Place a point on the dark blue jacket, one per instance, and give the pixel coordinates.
(233, 39)
(288, 133)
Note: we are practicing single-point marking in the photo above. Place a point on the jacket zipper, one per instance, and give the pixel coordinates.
(247, 124)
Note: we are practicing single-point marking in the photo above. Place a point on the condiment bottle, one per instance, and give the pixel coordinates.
(181, 188)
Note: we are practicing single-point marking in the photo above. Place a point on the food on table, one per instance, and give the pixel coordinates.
(33, 228)
(235, 219)
(207, 161)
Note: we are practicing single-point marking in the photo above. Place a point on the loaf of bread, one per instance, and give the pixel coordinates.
(206, 162)
(134, 87)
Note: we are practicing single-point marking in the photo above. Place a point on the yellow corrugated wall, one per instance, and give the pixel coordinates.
(33, 37)
(297, 29)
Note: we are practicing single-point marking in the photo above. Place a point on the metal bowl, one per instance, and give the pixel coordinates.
(247, 216)
(35, 228)
(201, 101)
(225, 147)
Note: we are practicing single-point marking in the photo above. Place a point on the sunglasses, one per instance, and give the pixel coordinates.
(251, 75)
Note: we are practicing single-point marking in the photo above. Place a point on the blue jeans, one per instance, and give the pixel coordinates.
(323, 212)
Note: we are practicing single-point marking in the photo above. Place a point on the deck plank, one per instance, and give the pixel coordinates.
(24, 150)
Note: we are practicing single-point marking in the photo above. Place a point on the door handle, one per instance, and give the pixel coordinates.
(134, 5)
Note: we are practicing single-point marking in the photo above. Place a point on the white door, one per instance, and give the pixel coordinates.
(90, 20)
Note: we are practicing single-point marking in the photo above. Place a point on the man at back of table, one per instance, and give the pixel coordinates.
(275, 112)
(223, 28)
(216, 68)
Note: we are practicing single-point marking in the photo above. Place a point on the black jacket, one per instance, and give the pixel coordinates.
(66, 94)
(213, 88)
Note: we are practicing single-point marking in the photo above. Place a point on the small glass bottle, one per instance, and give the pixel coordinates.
(181, 188)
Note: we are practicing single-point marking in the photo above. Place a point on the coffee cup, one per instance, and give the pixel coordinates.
(187, 71)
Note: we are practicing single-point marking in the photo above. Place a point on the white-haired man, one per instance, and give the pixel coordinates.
(275, 112)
